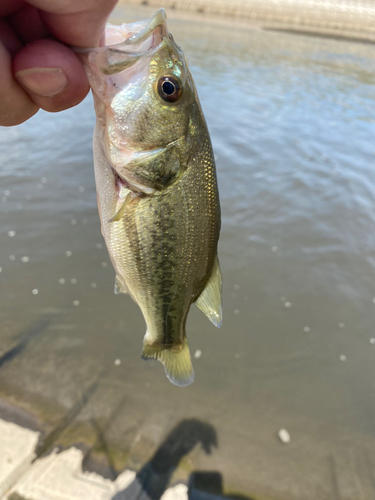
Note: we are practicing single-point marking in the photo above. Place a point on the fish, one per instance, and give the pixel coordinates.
(156, 185)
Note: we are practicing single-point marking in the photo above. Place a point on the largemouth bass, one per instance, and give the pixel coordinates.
(156, 185)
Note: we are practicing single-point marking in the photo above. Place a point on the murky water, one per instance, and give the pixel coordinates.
(292, 121)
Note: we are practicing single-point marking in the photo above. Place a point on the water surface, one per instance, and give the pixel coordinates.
(292, 121)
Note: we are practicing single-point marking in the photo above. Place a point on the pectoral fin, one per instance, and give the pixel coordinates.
(209, 301)
(119, 213)
(120, 287)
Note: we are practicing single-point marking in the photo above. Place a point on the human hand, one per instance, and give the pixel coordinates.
(36, 71)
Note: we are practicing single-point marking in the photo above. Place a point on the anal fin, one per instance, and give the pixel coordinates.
(209, 301)
(176, 361)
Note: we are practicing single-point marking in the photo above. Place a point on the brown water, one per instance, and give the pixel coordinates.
(292, 121)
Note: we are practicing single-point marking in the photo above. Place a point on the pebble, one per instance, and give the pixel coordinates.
(73, 281)
(372, 341)
(12, 257)
(81, 189)
(6, 193)
(236, 287)
(25, 259)
(75, 302)
(11, 234)
(237, 356)
(306, 329)
(275, 249)
(373, 300)
(35, 291)
(236, 311)
(343, 357)
(284, 436)
(68, 253)
(93, 285)
(99, 246)
(117, 362)
(73, 222)
(288, 304)
(197, 354)
(43, 180)
(1, 269)
(104, 264)
(62, 281)
(341, 325)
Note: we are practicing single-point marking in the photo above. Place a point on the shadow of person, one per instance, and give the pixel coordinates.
(238, 497)
(152, 480)
(208, 485)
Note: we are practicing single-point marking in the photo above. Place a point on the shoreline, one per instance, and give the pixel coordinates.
(354, 22)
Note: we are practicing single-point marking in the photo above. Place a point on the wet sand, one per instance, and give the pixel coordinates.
(292, 124)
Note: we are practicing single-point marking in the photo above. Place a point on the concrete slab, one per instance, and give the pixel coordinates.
(17, 447)
(179, 492)
(59, 476)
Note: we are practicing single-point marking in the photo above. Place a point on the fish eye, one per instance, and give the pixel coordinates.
(169, 88)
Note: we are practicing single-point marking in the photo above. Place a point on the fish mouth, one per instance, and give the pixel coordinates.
(141, 39)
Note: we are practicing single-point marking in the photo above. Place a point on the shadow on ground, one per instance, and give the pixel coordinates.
(153, 479)
(24, 337)
(206, 485)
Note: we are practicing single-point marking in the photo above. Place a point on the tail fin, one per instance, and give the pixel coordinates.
(177, 363)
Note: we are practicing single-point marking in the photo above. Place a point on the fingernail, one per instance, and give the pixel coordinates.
(45, 82)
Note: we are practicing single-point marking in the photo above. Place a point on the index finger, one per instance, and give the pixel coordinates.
(80, 23)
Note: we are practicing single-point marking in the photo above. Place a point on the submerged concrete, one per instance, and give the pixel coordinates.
(60, 475)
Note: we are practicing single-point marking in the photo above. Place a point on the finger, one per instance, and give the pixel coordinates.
(15, 105)
(80, 23)
(8, 38)
(51, 74)
(28, 25)
(7, 7)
